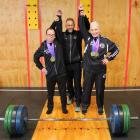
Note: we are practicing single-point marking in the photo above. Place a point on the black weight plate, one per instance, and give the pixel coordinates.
(13, 121)
(121, 118)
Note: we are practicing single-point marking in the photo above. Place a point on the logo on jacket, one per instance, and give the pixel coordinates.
(46, 51)
(102, 45)
(75, 37)
(91, 43)
(104, 76)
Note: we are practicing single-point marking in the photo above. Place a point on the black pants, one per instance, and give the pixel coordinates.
(90, 77)
(61, 81)
(74, 74)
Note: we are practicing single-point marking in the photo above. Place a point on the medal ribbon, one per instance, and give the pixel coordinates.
(95, 45)
(51, 49)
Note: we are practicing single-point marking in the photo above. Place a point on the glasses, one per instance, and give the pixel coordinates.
(52, 35)
(70, 25)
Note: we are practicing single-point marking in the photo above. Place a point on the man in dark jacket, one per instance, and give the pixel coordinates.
(55, 70)
(95, 60)
(72, 42)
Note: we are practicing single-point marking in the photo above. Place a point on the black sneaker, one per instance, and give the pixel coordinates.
(84, 112)
(49, 111)
(100, 111)
(65, 111)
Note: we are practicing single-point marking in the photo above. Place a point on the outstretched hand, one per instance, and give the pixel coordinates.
(81, 9)
(59, 13)
(82, 13)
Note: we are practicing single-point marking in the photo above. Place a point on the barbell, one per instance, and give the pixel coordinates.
(16, 119)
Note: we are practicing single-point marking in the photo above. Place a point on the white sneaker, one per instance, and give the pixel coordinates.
(77, 109)
(69, 101)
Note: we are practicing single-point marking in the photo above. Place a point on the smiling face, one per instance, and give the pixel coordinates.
(94, 29)
(50, 35)
(70, 25)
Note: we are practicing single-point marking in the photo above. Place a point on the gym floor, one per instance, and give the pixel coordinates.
(35, 100)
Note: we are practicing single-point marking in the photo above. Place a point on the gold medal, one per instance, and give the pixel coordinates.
(94, 54)
(52, 59)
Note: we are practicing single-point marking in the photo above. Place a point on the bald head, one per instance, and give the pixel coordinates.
(94, 29)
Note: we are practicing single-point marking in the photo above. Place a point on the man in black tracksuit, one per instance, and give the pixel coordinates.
(72, 41)
(94, 63)
(55, 70)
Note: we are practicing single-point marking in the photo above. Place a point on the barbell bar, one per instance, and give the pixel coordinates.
(73, 119)
(16, 119)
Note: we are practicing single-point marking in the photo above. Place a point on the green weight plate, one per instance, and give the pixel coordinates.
(125, 119)
(6, 119)
(9, 120)
(128, 117)
(129, 120)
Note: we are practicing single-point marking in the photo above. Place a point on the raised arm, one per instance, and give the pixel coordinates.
(82, 21)
(53, 25)
(87, 24)
(57, 26)
(59, 32)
